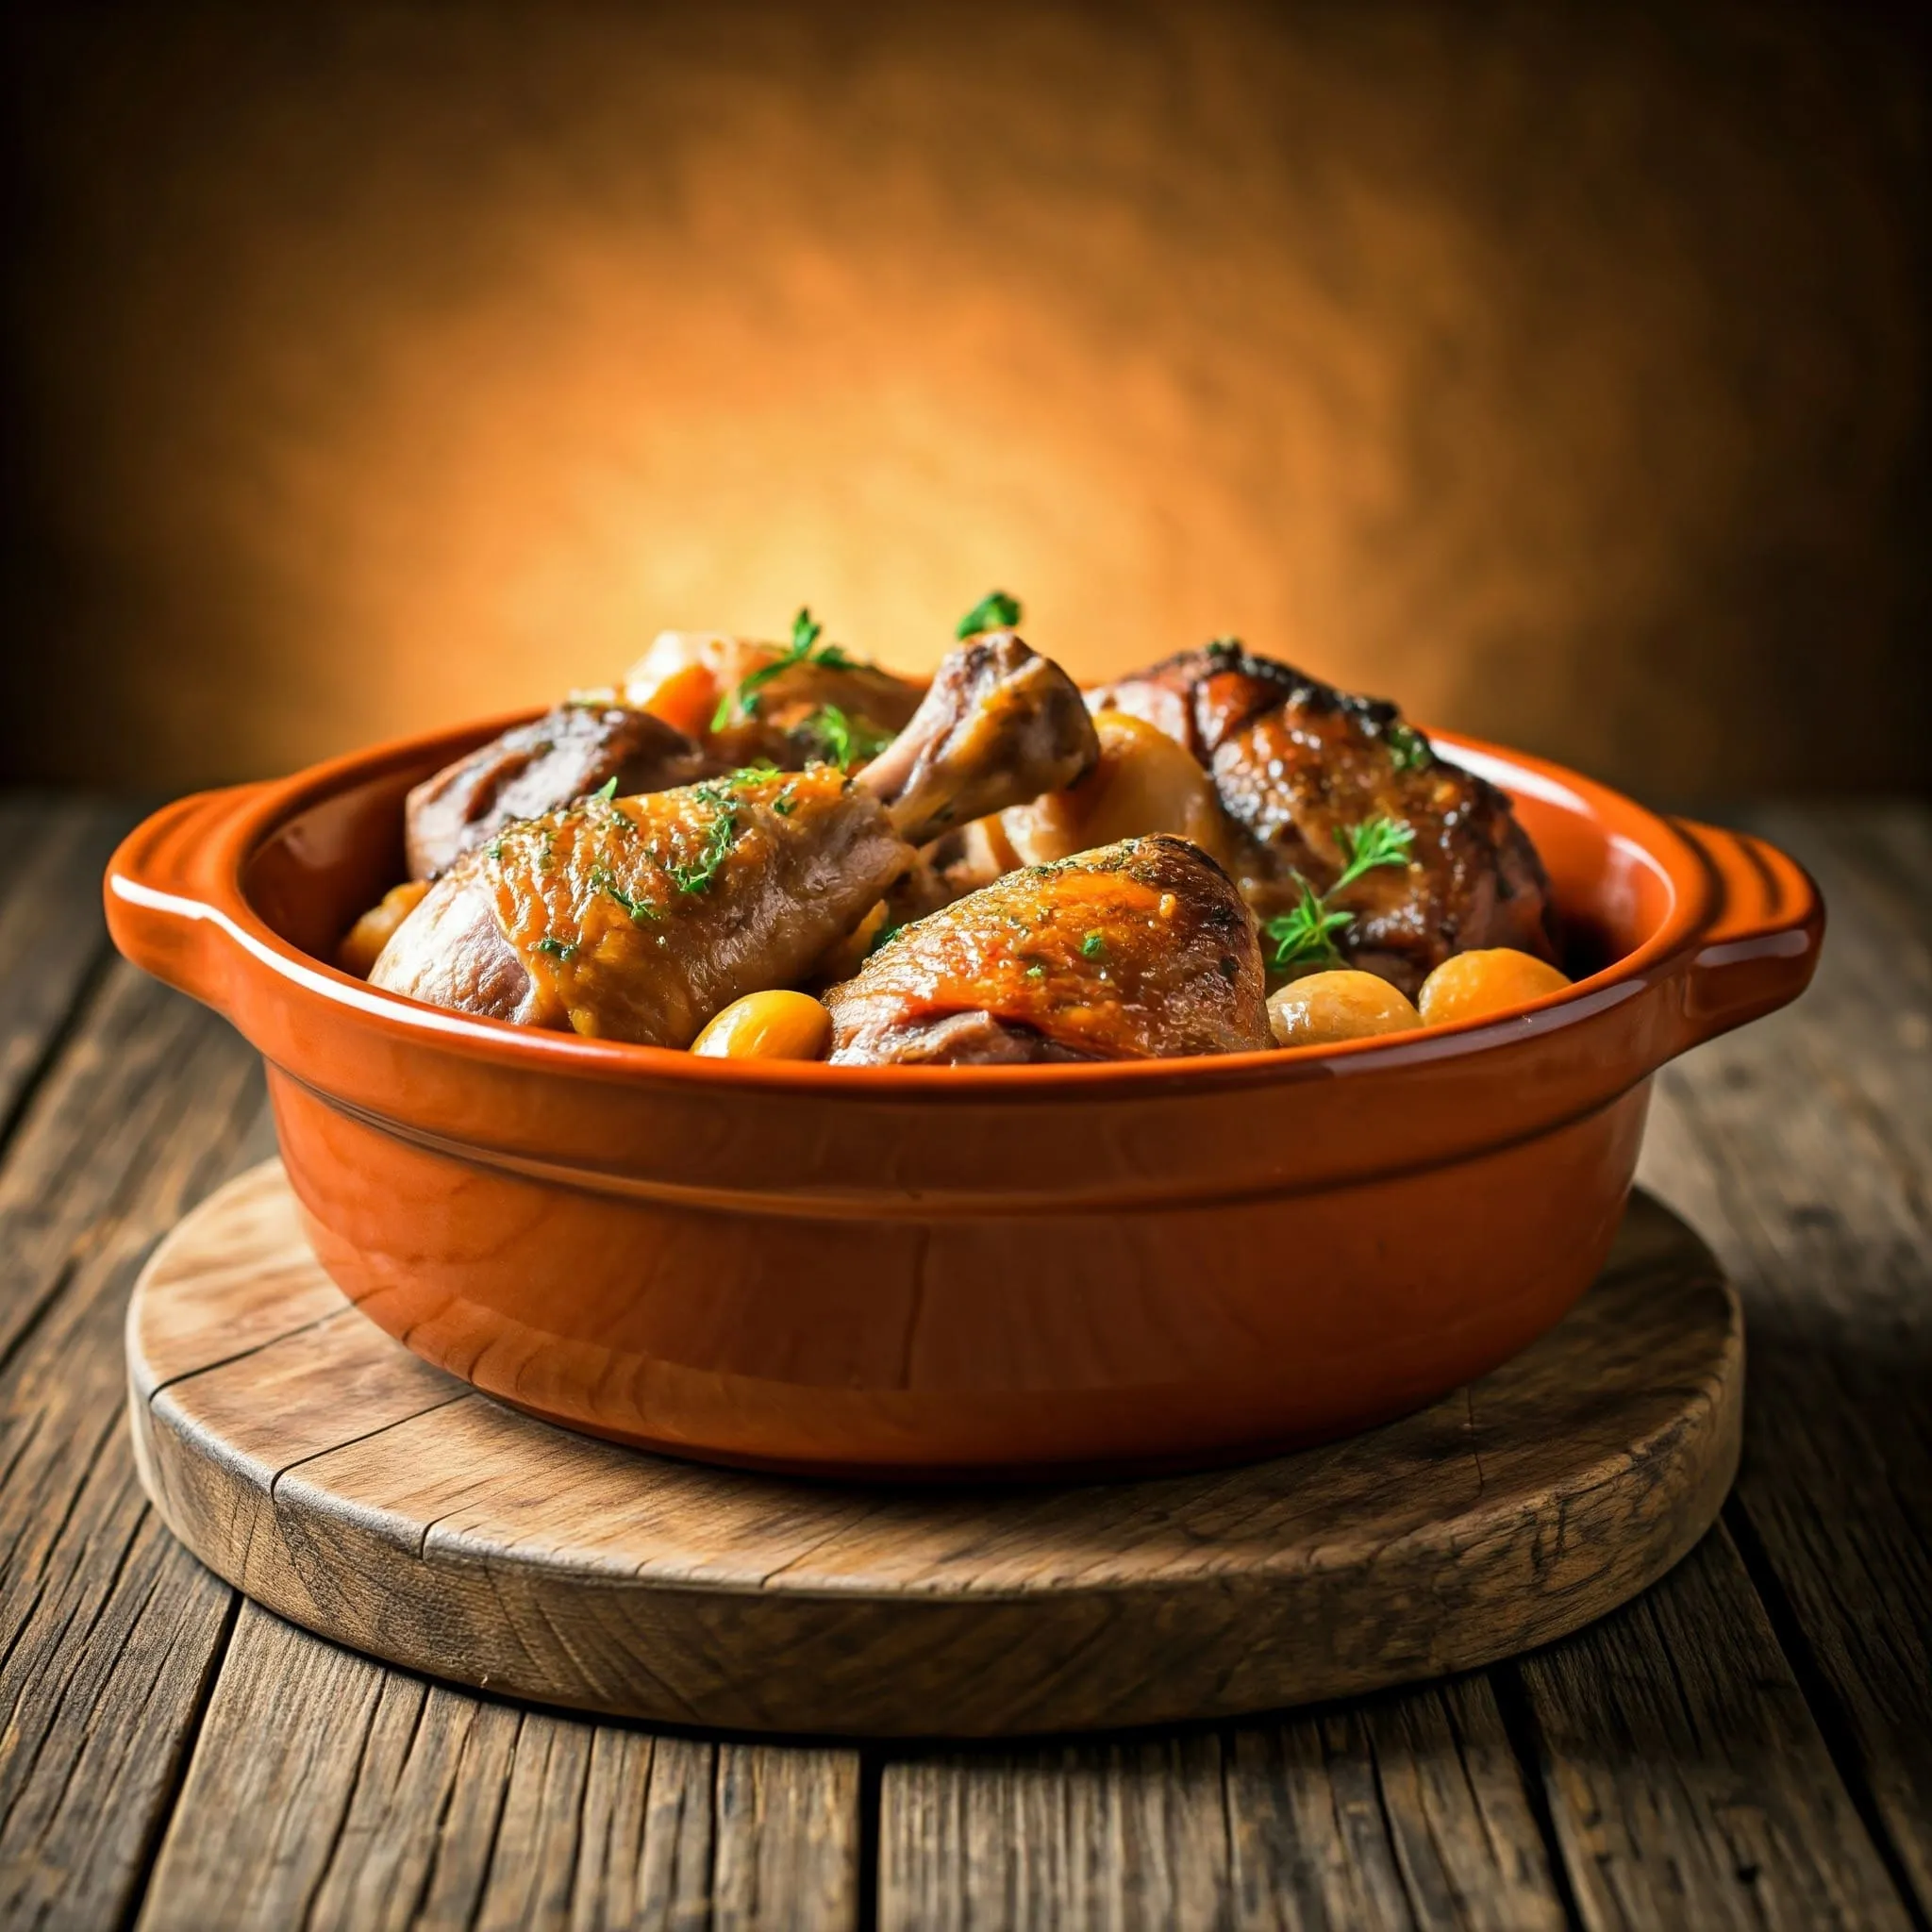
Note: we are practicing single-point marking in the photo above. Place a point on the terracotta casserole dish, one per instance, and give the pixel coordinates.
(950, 1272)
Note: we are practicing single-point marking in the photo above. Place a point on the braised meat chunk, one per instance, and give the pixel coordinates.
(1137, 951)
(568, 753)
(1300, 768)
(639, 918)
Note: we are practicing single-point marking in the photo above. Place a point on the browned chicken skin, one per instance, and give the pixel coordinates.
(1297, 763)
(568, 753)
(1137, 951)
(639, 918)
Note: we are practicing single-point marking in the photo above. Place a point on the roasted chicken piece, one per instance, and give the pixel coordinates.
(1300, 768)
(568, 753)
(1137, 951)
(639, 918)
(745, 701)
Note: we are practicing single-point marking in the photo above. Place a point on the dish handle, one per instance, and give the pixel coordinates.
(162, 888)
(1762, 946)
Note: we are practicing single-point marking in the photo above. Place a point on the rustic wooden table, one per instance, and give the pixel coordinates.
(1750, 1744)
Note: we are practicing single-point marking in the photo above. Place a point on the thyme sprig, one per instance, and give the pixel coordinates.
(1303, 936)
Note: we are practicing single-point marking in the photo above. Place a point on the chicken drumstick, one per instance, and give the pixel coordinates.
(1140, 950)
(639, 918)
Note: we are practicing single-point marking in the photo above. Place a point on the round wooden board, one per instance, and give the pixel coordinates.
(324, 1469)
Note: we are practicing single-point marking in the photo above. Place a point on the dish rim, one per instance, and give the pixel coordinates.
(260, 808)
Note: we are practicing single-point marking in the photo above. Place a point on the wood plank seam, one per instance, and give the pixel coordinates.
(1520, 1730)
(1417, 1907)
(164, 1814)
(341, 1822)
(60, 1529)
(166, 1382)
(91, 985)
(1740, 1517)
(1805, 1148)
(288, 1469)
(871, 1769)
(1833, 1721)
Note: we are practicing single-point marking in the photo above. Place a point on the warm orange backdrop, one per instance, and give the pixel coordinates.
(1561, 376)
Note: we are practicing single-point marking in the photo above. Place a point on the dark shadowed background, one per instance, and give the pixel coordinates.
(1561, 374)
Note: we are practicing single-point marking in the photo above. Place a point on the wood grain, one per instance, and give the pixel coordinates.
(1408, 1811)
(108, 1634)
(372, 1799)
(1748, 1744)
(338, 1480)
(1805, 1147)
(1687, 1778)
(52, 935)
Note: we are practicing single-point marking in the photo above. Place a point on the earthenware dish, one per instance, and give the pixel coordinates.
(957, 1272)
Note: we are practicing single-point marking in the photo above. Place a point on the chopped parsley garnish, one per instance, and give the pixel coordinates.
(1408, 750)
(804, 649)
(558, 949)
(1305, 934)
(1224, 647)
(602, 880)
(994, 612)
(1093, 945)
(841, 740)
(884, 937)
(1036, 972)
(606, 792)
(700, 877)
(747, 777)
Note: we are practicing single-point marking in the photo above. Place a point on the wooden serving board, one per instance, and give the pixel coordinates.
(320, 1468)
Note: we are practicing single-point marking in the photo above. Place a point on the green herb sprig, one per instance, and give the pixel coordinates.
(641, 910)
(749, 778)
(842, 740)
(702, 876)
(994, 612)
(805, 648)
(1305, 934)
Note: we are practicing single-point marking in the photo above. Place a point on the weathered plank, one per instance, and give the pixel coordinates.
(1685, 1776)
(52, 933)
(108, 1628)
(1802, 1149)
(326, 1790)
(1407, 1811)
